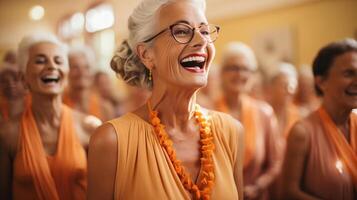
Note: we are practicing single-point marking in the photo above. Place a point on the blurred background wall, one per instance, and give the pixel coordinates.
(291, 30)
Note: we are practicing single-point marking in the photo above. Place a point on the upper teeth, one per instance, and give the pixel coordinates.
(194, 58)
(51, 77)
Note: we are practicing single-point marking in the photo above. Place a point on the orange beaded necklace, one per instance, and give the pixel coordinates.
(207, 148)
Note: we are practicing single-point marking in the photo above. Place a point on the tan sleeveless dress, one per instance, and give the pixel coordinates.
(144, 170)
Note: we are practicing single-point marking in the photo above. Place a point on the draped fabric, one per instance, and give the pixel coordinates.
(41, 176)
(347, 151)
(251, 121)
(327, 173)
(144, 170)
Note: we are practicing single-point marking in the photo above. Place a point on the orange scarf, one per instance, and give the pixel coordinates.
(93, 105)
(347, 152)
(61, 176)
(250, 120)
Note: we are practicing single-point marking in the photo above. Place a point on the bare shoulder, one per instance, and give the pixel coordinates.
(104, 138)
(264, 108)
(9, 135)
(299, 134)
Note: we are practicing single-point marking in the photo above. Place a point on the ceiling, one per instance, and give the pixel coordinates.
(15, 23)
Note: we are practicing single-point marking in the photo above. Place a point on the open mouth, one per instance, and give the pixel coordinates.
(194, 63)
(50, 79)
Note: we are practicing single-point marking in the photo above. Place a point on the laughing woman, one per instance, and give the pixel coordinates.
(169, 148)
(321, 158)
(43, 152)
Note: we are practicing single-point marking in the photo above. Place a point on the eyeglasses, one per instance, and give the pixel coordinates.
(183, 33)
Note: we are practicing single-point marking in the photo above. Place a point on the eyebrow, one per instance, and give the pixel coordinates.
(41, 55)
(188, 23)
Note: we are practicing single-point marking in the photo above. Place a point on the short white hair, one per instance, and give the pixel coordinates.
(240, 49)
(141, 25)
(30, 40)
(85, 51)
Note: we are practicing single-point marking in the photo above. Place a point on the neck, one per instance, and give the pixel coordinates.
(175, 106)
(80, 97)
(339, 116)
(232, 100)
(280, 107)
(47, 108)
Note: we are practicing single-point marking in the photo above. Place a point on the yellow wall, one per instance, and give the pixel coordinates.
(314, 23)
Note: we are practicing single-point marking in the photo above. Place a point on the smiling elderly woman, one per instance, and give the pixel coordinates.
(321, 157)
(43, 152)
(169, 148)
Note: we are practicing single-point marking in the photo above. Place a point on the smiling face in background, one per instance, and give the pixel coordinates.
(340, 84)
(181, 65)
(47, 69)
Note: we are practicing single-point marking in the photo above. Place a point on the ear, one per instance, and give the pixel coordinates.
(319, 82)
(146, 55)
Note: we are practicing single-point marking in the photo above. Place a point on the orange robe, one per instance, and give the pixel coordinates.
(261, 159)
(37, 175)
(144, 169)
(331, 163)
(94, 107)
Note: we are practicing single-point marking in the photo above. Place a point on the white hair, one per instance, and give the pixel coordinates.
(240, 49)
(141, 25)
(30, 40)
(85, 51)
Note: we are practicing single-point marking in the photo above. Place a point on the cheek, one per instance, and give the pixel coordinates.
(167, 56)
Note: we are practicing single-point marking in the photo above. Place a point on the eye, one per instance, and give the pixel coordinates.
(58, 60)
(349, 73)
(40, 60)
(181, 31)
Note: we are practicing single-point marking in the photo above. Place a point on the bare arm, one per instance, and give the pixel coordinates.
(238, 168)
(102, 163)
(294, 163)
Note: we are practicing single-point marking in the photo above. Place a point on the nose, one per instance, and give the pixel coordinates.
(51, 65)
(198, 39)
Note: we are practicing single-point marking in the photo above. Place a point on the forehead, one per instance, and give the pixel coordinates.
(46, 48)
(346, 60)
(181, 10)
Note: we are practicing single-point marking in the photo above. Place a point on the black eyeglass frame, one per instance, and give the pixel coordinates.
(193, 31)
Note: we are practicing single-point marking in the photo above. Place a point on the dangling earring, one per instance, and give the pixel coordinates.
(150, 75)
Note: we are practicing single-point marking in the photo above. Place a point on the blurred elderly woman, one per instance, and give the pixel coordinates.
(262, 161)
(80, 94)
(280, 95)
(43, 151)
(321, 158)
(170, 148)
(12, 93)
(305, 97)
